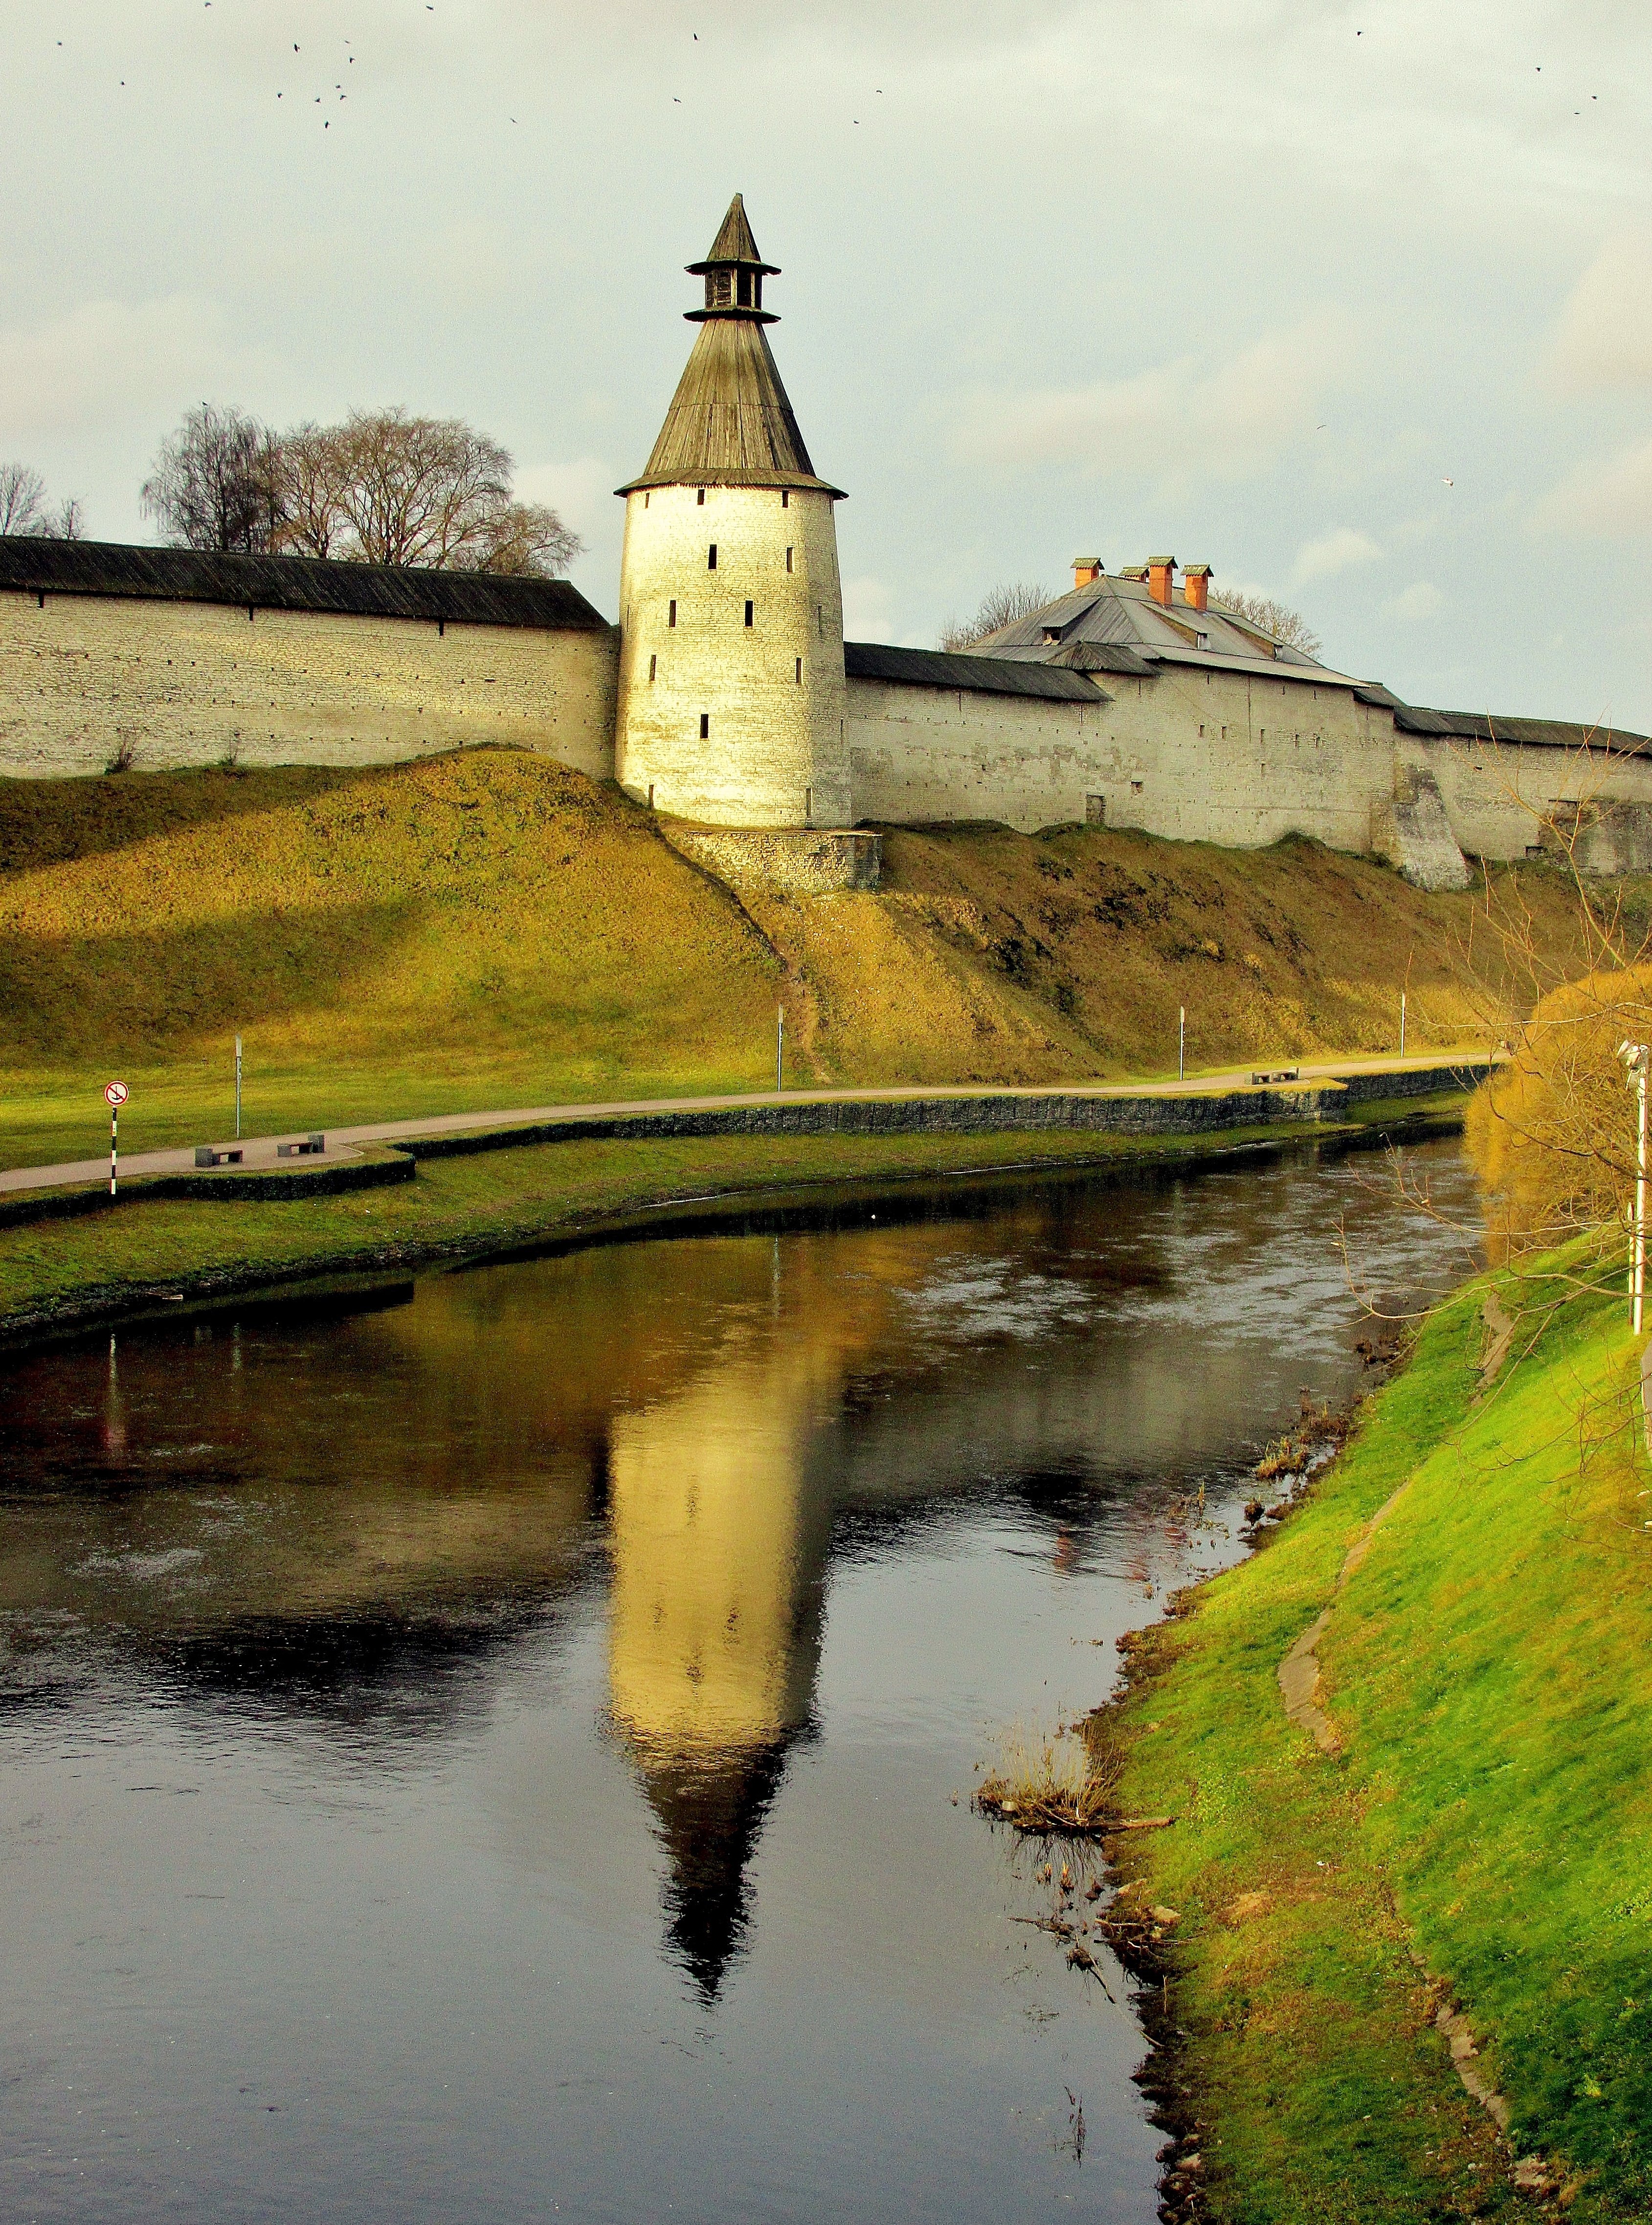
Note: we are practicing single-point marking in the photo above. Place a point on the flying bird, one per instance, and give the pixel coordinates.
(1448, 482)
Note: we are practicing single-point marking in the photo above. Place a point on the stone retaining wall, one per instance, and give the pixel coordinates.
(231, 1187)
(998, 1111)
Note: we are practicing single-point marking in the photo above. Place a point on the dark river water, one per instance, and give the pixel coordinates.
(485, 1749)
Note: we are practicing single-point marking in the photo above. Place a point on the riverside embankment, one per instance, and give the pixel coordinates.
(70, 1256)
(1454, 1878)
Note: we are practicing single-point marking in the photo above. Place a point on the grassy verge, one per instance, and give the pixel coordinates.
(54, 1272)
(1484, 1830)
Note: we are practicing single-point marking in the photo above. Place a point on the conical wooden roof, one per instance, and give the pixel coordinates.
(734, 244)
(730, 422)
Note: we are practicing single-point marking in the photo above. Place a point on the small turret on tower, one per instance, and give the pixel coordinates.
(731, 706)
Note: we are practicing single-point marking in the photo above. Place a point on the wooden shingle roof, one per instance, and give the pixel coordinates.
(980, 675)
(32, 565)
(734, 244)
(730, 422)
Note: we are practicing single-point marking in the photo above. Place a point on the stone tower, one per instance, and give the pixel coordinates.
(731, 661)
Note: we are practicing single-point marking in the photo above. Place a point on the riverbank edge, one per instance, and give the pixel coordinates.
(1224, 2082)
(488, 1232)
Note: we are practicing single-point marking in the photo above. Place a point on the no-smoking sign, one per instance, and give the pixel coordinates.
(116, 1095)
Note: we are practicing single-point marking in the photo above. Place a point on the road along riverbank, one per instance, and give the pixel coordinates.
(1409, 1970)
(67, 1264)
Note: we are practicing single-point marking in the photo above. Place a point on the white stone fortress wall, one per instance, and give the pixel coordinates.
(1238, 760)
(189, 683)
(1197, 755)
(731, 707)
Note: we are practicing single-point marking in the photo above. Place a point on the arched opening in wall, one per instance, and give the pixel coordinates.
(705, 726)
(671, 614)
(711, 558)
(653, 666)
(799, 672)
(788, 560)
(809, 807)
(786, 504)
(701, 497)
(749, 607)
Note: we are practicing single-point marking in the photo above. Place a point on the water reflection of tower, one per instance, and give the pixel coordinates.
(719, 1547)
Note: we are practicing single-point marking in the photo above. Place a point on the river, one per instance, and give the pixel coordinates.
(485, 1748)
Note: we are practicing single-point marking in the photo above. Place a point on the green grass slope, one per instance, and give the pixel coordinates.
(1487, 1829)
(488, 929)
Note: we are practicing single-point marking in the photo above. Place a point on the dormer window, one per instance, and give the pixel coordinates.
(1051, 634)
(744, 294)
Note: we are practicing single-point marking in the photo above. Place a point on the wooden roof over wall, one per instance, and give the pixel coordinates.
(34, 566)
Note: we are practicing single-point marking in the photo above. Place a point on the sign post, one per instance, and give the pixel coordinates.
(1181, 1043)
(779, 1048)
(1637, 1058)
(238, 1089)
(115, 1096)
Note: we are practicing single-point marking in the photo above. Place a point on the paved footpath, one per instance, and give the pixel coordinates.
(343, 1143)
(346, 1142)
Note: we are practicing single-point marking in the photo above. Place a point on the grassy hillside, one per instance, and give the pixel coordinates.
(488, 929)
(1485, 1830)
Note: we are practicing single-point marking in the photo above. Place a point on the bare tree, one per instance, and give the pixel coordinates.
(1003, 605)
(23, 491)
(314, 475)
(216, 483)
(22, 507)
(1277, 620)
(386, 487)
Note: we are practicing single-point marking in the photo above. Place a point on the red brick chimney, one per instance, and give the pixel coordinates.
(1086, 570)
(1161, 571)
(1196, 586)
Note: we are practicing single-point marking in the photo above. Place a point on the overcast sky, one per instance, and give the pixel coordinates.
(1353, 302)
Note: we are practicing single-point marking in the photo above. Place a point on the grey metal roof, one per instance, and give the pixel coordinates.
(1117, 610)
(983, 675)
(1088, 656)
(32, 566)
(730, 422)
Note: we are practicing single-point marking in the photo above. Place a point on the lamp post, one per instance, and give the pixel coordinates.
(1636, 1058)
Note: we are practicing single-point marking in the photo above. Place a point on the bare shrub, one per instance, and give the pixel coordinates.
(1056, 1786)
